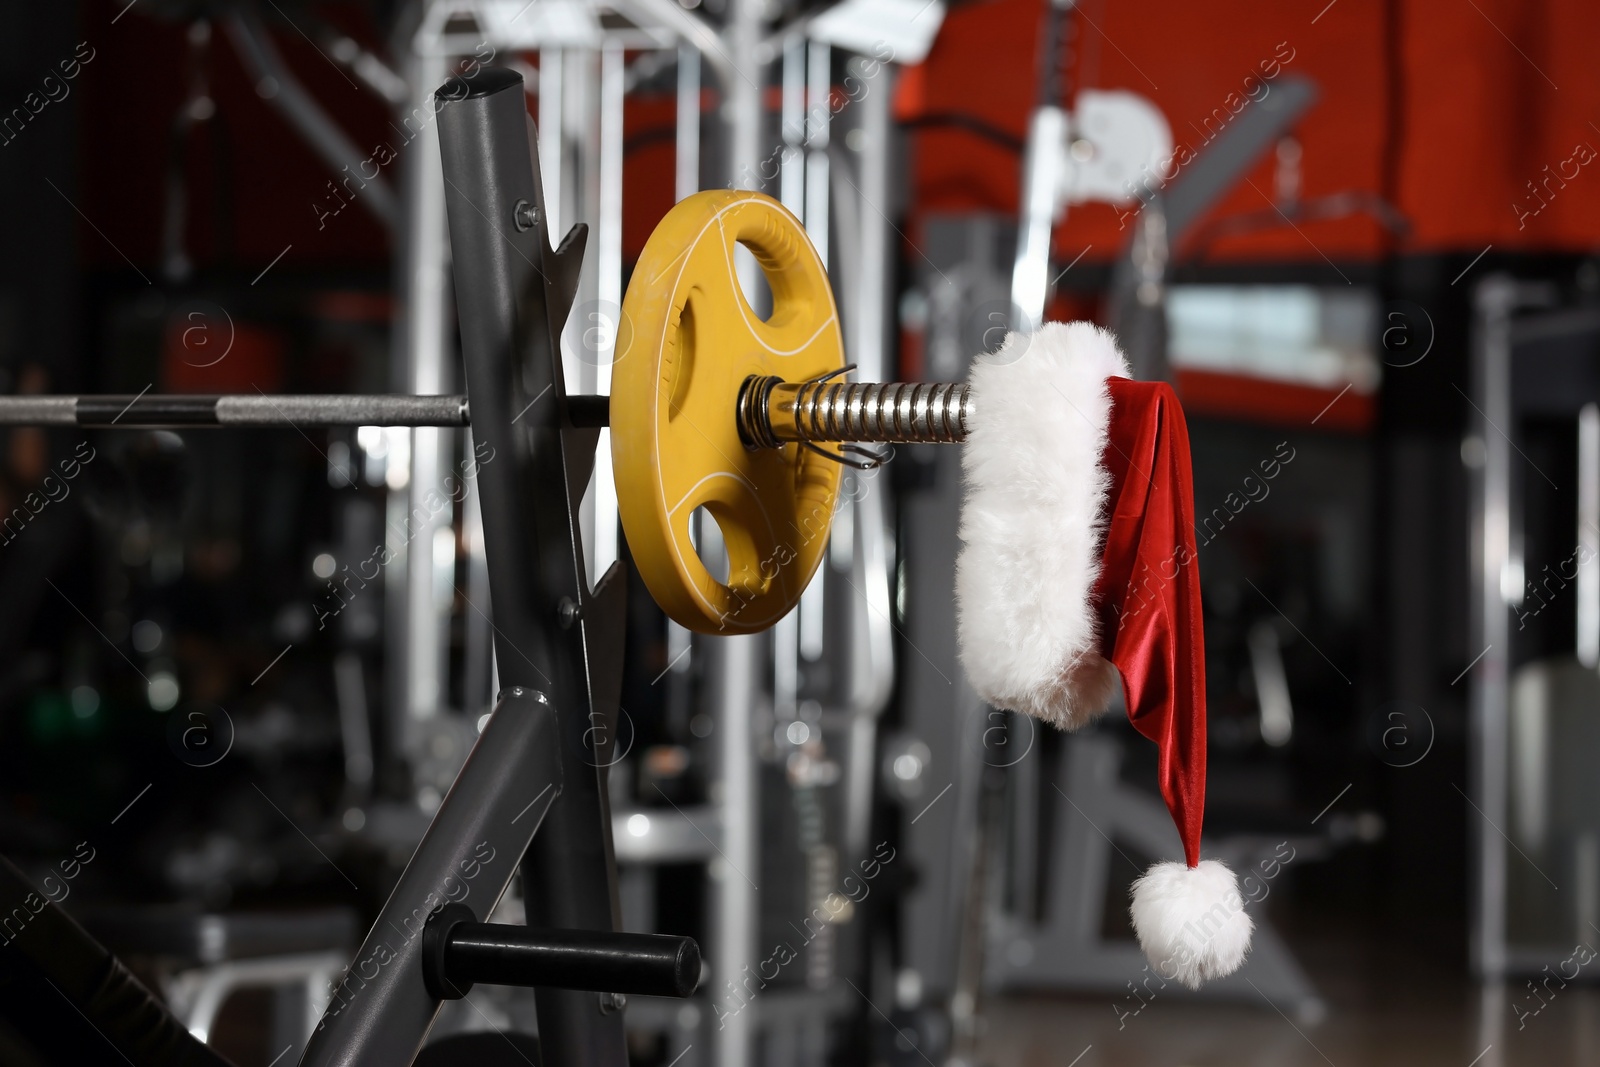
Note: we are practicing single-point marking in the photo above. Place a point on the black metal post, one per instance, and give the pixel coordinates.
(513, 293)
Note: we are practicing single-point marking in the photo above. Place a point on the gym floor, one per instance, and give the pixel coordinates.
(1385, 1009)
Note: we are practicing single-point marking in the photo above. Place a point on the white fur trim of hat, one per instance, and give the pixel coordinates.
(1032, 523)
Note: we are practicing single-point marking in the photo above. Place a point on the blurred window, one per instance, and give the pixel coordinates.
(1292, 333)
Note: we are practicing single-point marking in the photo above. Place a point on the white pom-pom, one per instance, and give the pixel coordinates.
(1191, 921)
(1032, 523)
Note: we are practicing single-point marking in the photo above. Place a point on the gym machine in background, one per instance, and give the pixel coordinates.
(1533, 454)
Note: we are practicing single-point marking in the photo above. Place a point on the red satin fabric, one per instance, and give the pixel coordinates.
(1148, 593)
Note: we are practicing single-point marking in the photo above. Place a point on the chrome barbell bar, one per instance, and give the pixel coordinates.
(770, 411)
(146, 411)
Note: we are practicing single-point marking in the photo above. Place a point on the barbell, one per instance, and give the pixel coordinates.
(712, 406)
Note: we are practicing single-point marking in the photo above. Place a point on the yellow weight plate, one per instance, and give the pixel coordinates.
(687, 340)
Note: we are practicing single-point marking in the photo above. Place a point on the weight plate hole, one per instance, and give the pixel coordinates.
(752, 278)
(706, 536)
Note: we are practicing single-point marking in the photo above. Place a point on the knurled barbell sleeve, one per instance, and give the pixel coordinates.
(772, 411)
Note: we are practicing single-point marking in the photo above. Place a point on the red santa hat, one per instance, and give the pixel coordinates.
(1078, 565)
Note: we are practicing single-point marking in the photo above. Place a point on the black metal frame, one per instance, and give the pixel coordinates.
(541, 762)
(513, 294)
(558, 644)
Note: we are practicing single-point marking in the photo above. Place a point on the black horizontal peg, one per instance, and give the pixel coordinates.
(459, 952)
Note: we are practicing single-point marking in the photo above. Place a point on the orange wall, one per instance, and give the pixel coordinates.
(1475, 117)
(1473, 120)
